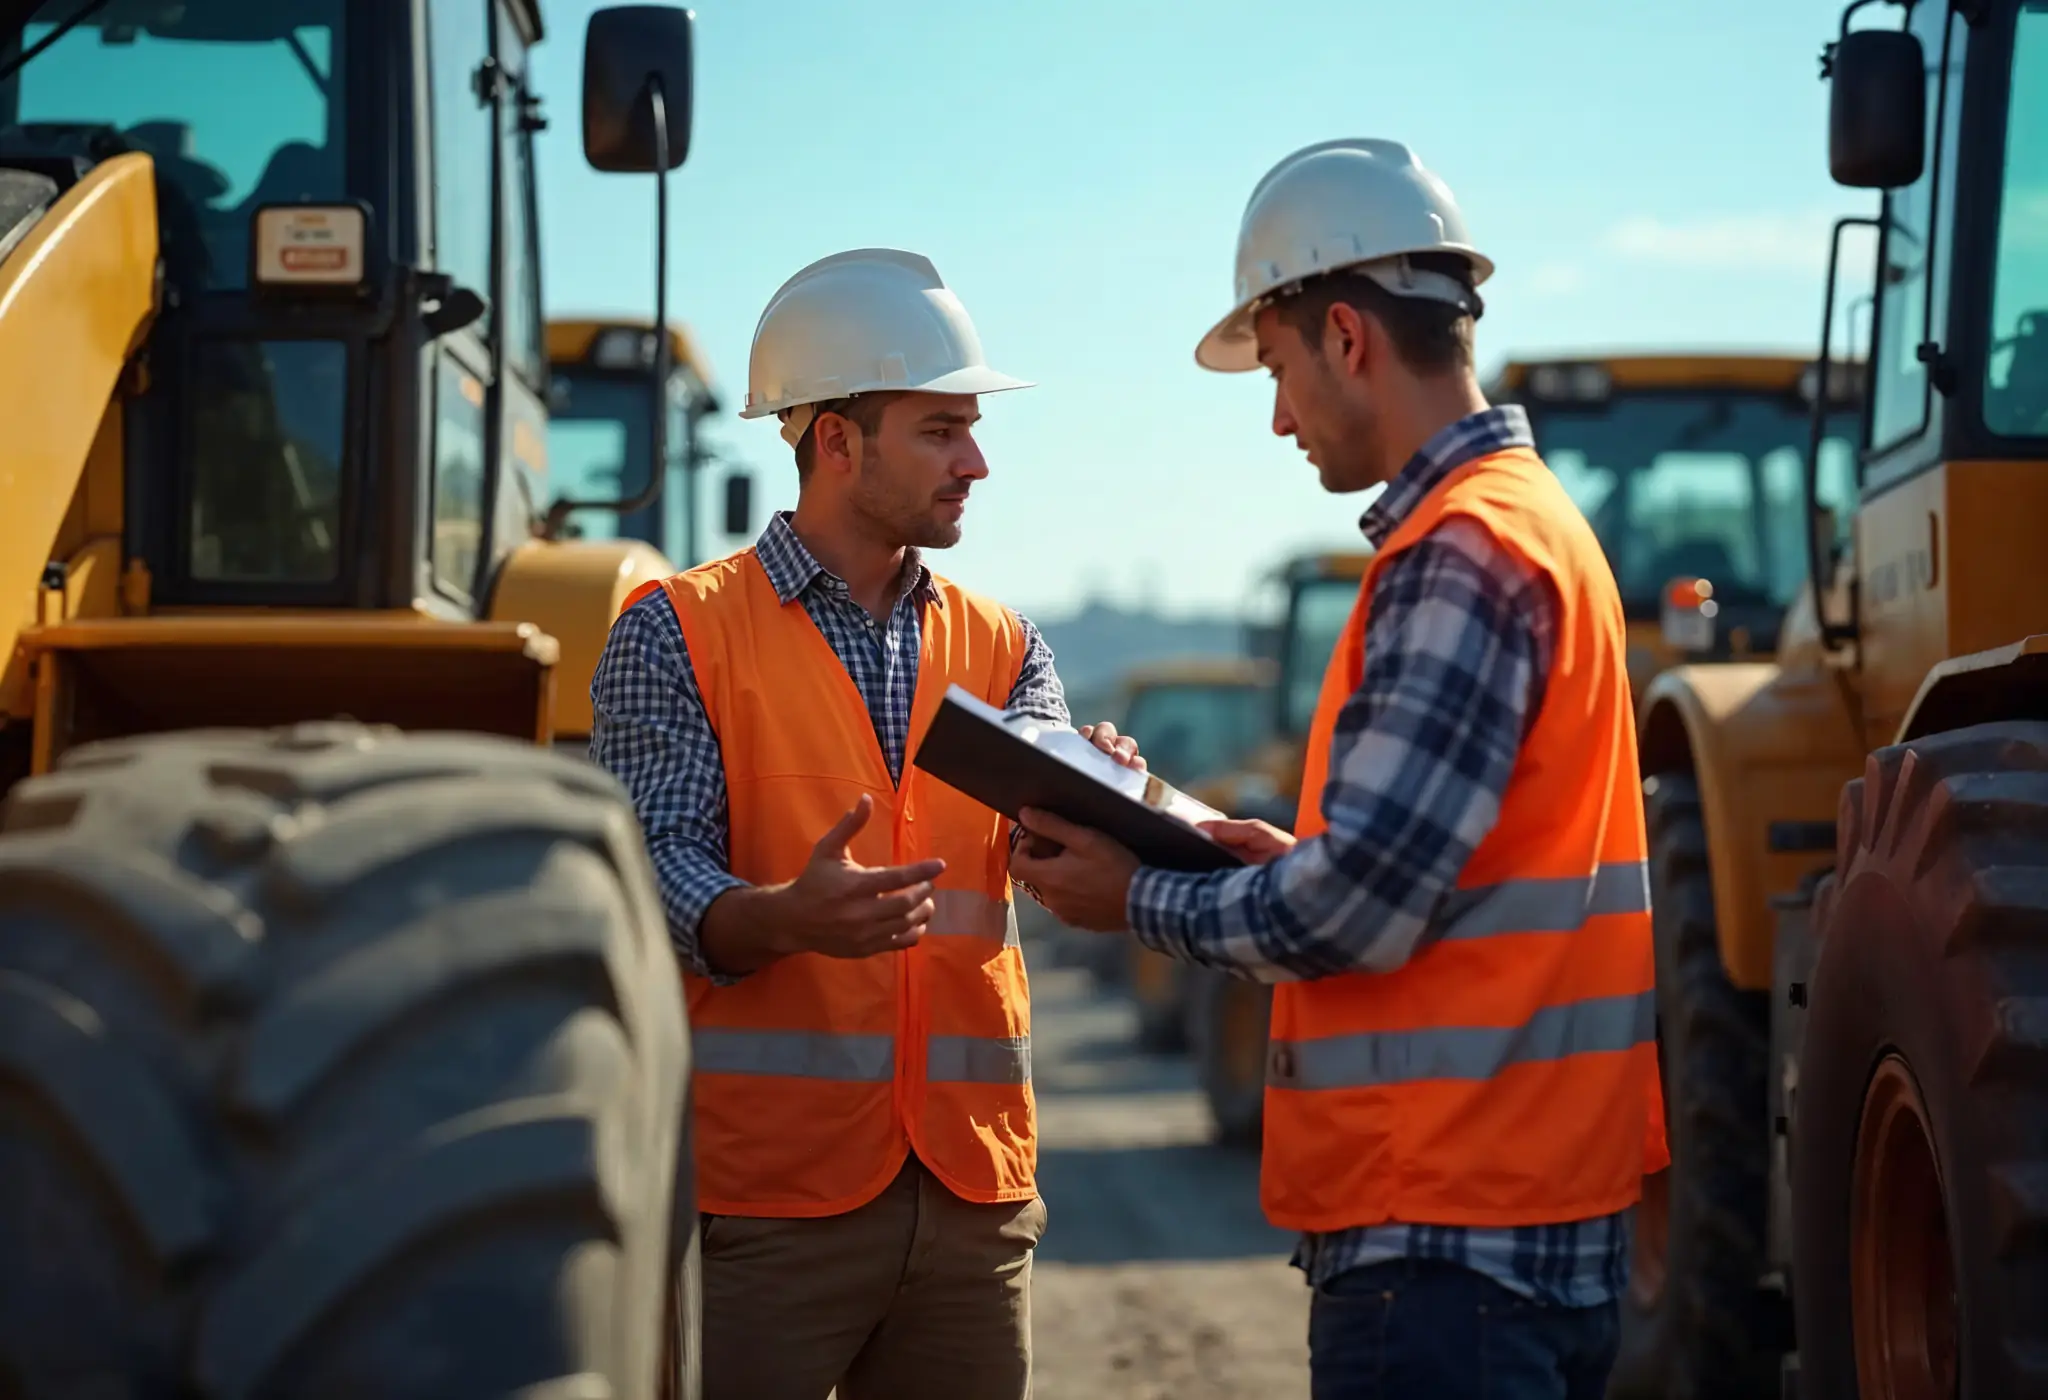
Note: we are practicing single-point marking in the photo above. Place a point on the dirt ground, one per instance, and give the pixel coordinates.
(1157, 1276)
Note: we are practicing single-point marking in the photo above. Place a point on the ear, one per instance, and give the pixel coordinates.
(833, 444)
(1348, 338)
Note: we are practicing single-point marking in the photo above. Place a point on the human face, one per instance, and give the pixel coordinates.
(1321, 398)
(916, 469)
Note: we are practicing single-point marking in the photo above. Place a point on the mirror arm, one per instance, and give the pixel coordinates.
(1832, 634)
(559, 513)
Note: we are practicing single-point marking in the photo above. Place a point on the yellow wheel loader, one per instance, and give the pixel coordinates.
(1849, 843)
(342, 1051)
(600, 401)
(1222, 1019)
(1198, 717)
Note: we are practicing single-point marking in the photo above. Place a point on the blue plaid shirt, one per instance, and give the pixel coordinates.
(1458, 645)
(650, 730)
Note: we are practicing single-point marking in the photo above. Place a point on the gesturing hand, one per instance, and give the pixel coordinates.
(844, 909)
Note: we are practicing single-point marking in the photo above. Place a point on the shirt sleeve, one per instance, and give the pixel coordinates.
(1037, 693)
(649, 729)
(1457, 647)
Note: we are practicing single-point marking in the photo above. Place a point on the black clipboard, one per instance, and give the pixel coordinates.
(1012, 763)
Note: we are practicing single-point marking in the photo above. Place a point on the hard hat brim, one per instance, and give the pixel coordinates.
(1230, 347)
(970, 379)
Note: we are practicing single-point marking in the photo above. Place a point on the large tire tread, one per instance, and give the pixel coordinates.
(341, 1063)
(1950, 831)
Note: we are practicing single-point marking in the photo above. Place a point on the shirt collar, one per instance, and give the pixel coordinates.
(1475, 435)
(792, 568)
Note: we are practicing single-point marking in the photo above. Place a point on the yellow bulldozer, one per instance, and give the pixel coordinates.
(1849, 843)
(1690, 467)
(343, 1050)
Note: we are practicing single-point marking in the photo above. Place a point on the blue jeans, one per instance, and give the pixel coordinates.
(1427, 1328)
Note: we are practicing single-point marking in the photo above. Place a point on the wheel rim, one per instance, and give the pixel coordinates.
(1901, 1281)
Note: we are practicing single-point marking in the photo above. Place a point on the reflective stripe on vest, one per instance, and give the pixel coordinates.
(859, 1059)
(1462, 1052)
(1558, 905)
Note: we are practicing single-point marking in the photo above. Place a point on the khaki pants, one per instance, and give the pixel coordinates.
(915, 1294)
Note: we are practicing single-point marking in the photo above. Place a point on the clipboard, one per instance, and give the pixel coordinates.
(1009, 762)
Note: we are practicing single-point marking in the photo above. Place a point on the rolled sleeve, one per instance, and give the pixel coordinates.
(650, 731)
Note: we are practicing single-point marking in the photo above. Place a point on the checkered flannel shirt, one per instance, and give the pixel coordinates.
(1458, 645)
(650, 729)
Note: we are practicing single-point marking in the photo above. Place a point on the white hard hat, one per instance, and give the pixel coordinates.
(861, 321)
(1359, 203)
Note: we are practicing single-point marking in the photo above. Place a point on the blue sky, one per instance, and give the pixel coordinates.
(1643, 174)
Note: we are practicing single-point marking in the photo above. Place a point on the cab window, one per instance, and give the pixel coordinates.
(180, 83)
(525, 352)
(2016, 387)
(1910, 251)
(459, 44)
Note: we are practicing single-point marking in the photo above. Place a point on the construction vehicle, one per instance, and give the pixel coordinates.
(1200, 716)
(342, 1055)
(599, 405)
(1848, 842)
(1221, 1020)
(1689, 467)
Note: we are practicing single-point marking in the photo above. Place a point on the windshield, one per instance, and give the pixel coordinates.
(1193, 730)
(598, 424)
(1698, 484)
(239, 102)
(2016, 394)
(1321, 607)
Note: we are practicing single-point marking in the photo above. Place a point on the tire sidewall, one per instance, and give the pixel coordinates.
(1879, 986)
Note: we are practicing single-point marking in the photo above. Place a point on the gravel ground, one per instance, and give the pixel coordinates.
(1158, 1275)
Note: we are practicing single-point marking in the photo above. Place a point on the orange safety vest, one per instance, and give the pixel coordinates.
(815, 1076)
(1507, 1074)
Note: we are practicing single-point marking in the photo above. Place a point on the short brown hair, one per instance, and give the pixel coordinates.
(1430, 336)
(864, 411)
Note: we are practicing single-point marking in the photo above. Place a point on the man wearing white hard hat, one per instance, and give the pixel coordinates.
(1461, 1094)
(865, 1130)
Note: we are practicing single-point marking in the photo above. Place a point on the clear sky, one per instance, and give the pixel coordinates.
(1644, 173)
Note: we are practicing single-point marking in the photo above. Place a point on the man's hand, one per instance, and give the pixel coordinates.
(1255, 840)
(1087, 878)
(836, 907)
(1121, 747)
(843, 909)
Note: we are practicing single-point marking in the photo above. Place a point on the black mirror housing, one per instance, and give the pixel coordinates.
(624, 46)
(739, 504)
(1877, 110)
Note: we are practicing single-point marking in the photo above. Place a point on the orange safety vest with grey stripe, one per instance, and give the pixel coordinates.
(1507, 1074)
(814, 1076)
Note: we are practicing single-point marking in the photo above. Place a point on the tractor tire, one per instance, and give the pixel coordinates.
(333, 1062)
(1228, 1020)
(1693, 1320)
(1919, 1150)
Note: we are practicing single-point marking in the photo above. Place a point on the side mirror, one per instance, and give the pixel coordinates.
(739, 504)
(625, 48)
(1877, 110)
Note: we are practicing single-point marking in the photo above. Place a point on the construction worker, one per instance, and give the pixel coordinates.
(865, 1126)
(1462, 1095)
